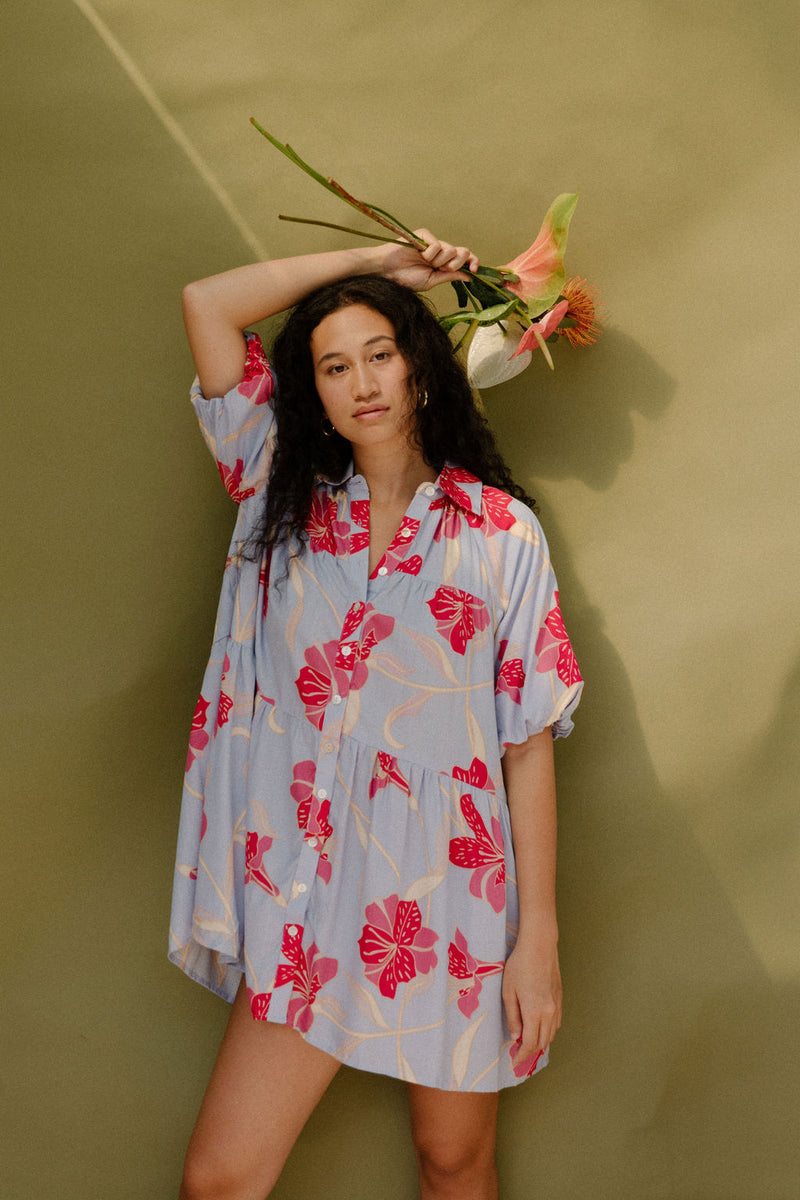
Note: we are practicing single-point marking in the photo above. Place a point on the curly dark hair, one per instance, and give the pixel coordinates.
(449, 427)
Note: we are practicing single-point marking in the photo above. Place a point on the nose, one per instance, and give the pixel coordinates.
(364, 383)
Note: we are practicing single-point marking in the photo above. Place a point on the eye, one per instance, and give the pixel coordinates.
(336, 369)
(380, 355)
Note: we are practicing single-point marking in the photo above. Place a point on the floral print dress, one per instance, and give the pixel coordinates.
(344, 839)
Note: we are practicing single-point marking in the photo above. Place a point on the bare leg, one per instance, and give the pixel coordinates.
(454, 1140)
(265, 1084)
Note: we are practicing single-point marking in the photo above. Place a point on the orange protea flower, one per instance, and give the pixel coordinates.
(583, 299)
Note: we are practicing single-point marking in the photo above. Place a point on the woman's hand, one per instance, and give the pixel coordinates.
(440, 262)
(532, 995)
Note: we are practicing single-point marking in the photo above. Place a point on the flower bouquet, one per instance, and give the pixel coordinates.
(509, 311)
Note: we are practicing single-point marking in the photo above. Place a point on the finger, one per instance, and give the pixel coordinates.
(513, 1015)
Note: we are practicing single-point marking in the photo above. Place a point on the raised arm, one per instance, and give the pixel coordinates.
(217, 309)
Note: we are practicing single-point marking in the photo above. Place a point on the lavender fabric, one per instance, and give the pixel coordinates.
(344, 839)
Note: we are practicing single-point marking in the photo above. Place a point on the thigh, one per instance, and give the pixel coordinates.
(453, 1127)
(265, 1084)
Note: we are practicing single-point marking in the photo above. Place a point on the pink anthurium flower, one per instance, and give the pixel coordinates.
(537, 334)
(541, 268)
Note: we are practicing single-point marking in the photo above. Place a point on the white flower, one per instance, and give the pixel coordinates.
(489, 360)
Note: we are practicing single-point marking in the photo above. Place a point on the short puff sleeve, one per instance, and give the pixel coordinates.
(239, 427)
(537, 680)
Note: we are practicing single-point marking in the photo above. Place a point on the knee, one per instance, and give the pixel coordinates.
(451, 1167)
(206, 1178)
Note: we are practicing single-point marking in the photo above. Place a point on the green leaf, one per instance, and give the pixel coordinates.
(488, 316)
(462, 295)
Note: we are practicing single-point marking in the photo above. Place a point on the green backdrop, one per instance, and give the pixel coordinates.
(665, 462)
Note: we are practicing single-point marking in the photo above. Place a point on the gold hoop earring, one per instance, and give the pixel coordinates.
(422, 399)
(329, 431)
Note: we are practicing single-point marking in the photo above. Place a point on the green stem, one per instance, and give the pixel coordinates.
(375, 237)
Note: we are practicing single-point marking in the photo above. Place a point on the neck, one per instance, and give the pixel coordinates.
(392, 475)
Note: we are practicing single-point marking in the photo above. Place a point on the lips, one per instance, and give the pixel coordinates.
(374, 410)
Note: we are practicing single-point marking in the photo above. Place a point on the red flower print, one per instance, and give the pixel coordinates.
(386, 771)
(257, 377)
(395, 945)
(198, 738)
(232, 480)
(359, 539)
(307, 971)
(377, 628)
(463, 966)
(325, 532)
(449, 481)
(320, 679)
(255, 849)
(553, 648)
(225, 701)
(399, 547)
(495, 509)
(355, 615)
(476, 774)
(263, 580)
(410, 566)
(452, 515)
(312, 813)
(510, 677)
(458, 615)
(259, 1004)
(528, 1065)
(483, 854)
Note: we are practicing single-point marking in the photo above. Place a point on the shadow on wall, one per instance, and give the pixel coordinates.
(671, 1079)
(583, 414)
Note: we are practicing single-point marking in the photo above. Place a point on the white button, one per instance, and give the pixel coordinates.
(301, 887)
(291, 930)
(323, 795)
(312, 843)
(383, 570)
(337, 699)
(430, 491)
(404, 533)
(347, 649)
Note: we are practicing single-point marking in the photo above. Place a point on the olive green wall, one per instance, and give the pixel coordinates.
(665, 463)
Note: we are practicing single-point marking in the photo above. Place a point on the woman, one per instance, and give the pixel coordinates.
(376, 724)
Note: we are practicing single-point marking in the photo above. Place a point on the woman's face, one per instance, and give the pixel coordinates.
(361, 376)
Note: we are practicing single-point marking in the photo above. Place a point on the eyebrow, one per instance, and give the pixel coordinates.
(379, 337)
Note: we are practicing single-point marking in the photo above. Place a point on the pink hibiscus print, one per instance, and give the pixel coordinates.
(225, 701)
(511, 676)
(476, 773)
(312, 813)
(483, 854)
(496, 510)
(320, 679)
(452, 515)
(359, 538)
(325, 532)
(462, 965)
(386, 771)
(259, 1004)
(399, 547)
(257, 376)
(255, 849)
(376, 628)
(232, 479)
(528, 1065)
(458, 616)
(395, 945)
(553, 648)
(198, 738)
(307, 971)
